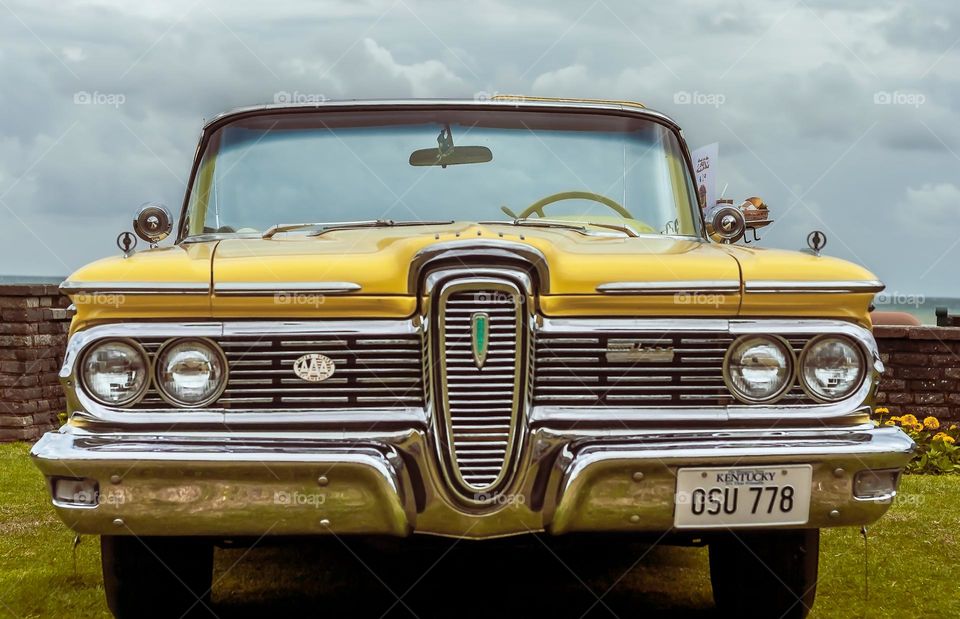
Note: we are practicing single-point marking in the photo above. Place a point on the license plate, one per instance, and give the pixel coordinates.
(743, 496)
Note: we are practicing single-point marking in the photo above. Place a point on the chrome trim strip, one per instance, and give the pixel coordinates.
(134, 288)
(771, 286)
(306, 327)
(366, 420)
(267, 289)
(671, 287)
(615, 325)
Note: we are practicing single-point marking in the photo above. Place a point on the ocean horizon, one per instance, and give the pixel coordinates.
(31, 279)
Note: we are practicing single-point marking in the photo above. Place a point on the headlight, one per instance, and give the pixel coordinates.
(115, 372)
(758, 368)
(191, 372)
(831, 367)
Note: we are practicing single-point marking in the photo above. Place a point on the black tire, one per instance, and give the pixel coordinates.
(766, 574)
(157, 576)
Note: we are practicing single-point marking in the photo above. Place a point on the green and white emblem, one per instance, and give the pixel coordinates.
(480, 337)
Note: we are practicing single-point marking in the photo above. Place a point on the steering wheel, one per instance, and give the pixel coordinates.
(537, 207)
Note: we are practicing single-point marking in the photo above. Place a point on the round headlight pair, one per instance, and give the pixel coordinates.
(760, 368)
(188, 372)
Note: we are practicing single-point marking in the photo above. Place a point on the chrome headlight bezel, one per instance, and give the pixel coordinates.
(218, 355)
(788, 382)
(127, 402)
(856, 385)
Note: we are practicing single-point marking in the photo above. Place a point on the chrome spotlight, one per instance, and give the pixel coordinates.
(153, 223)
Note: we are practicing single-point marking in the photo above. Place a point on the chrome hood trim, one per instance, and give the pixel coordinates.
(769, 286)
(70, 287)
(269, 289)
(670, 287)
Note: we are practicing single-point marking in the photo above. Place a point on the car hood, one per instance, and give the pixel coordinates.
(366, 273)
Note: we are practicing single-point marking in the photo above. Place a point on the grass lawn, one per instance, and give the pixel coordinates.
(914, 569)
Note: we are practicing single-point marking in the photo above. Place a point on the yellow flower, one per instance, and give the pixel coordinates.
(946, 438)
(883, 410)
(895, 419)
(890, 423)
(931, 423)
(953, 427)
(908, 420)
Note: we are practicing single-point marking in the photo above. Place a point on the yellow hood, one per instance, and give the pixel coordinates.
(601, 274)
(378, 261)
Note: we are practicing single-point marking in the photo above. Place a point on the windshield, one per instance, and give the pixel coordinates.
(464, 165)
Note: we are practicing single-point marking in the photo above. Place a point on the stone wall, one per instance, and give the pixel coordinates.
(922, 374)
(922, 364)
(33, 333)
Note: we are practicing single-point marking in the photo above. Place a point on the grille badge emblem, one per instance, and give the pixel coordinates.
(314, 367)
(480, 337)
(635, 352)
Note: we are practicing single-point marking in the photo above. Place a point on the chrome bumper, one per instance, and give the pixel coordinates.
(295, 483)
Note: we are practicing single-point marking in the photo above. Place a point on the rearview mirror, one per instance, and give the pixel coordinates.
(456, 155)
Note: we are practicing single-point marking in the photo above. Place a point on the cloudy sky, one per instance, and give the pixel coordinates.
(841, 115)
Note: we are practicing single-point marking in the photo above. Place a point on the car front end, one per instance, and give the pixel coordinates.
(462, 375)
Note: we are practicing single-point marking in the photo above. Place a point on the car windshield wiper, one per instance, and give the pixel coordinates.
(324, 227)
(580, 227)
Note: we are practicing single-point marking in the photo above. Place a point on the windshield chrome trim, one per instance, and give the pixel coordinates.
(269, 289)
(510, 104)
(813, 287)
(70, 287)
(731, 286)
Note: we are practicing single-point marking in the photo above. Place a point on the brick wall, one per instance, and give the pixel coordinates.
(33, 327)
(922, 373)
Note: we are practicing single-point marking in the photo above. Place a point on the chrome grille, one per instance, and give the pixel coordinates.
(572, 369)
(372, 371)
(480, 403)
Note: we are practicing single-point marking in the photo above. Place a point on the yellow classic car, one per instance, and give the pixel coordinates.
(473, 319)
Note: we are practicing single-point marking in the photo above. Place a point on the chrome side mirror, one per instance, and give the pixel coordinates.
(153, 223)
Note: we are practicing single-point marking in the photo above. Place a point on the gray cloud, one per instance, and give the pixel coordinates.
(799, 115)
